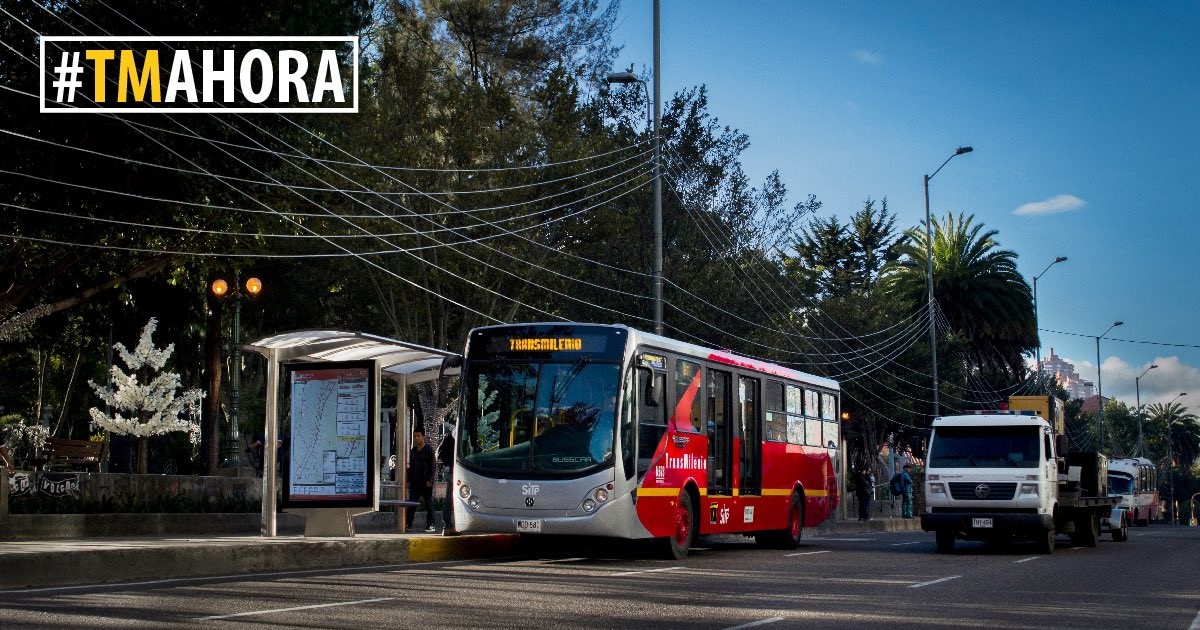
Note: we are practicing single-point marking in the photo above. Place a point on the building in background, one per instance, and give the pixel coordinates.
(1064, 372)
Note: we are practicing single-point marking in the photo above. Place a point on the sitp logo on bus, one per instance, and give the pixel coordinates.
(158, 75)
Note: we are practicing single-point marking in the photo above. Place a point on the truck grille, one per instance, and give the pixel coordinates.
(971, 491)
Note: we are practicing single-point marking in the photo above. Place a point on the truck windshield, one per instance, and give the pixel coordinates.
(540, 418)
(985, 447)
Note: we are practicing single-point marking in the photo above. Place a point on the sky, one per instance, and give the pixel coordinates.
(1085, 123)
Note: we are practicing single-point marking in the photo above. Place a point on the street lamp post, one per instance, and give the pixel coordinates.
(929, 279)
(221, 289)
(1171, 464)
(1137, 389)
(1036, 330)
(1100, 386)
(629, 77)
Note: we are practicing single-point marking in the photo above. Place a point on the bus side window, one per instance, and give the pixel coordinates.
(651, 420)
(687, 407)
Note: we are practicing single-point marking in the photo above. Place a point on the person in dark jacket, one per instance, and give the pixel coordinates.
(420, 479)
(864, 488)
(445, 455)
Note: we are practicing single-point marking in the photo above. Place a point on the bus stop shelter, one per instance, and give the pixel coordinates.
(406, 363)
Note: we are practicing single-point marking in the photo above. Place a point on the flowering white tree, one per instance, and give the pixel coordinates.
(143, 410)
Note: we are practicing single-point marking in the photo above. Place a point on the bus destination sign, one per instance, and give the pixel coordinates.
(553, 344)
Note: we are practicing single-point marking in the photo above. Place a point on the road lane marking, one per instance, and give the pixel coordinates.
(937, 581)
(804, 553)
(918, 542)
(761, 622)
(1195, 623)
(645, 571)
(293, 609)
(1026, 559)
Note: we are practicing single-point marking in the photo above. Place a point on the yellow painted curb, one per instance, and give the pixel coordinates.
(434, 548)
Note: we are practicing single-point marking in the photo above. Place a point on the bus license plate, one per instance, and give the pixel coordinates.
(529, 526)
(981, 523)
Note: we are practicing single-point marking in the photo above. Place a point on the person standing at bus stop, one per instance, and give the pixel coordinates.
(864, 487)
(906, 497)
(420, 479)
(445, 455)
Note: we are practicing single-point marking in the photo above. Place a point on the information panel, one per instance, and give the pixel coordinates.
(332, 434)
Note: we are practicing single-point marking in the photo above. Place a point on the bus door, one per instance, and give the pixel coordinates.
(720, 432)
(750, 455)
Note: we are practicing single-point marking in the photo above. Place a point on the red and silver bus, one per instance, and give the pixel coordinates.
(1135, 480)
(598, 430)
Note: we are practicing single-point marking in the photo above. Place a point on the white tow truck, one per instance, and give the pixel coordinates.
(1000, 475)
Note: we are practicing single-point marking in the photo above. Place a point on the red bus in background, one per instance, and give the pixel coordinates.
(584, 429)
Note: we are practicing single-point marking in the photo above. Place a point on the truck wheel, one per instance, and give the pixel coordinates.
(945, 540)
(1087, 530)
(1121, 534)
(1045, 544)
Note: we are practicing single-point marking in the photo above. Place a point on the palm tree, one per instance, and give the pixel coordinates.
(977, 287)
(1183, 428)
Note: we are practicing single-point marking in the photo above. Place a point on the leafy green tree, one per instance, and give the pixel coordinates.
(977, 285)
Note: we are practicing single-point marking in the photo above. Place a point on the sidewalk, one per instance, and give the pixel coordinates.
(78, 561)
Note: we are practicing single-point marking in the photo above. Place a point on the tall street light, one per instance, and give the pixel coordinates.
(221, 289)
(1099, 385)
(929, 279)
(1171, 463)
(1036, 330)
(629, 77)
(1137, 389)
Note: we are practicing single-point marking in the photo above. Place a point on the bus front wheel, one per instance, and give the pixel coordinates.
(676, 546)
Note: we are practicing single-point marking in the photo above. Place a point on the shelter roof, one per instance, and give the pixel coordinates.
(399, 358)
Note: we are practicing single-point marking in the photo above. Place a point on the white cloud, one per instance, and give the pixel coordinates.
(868, 57)
(1159, 385)
(1053, 205)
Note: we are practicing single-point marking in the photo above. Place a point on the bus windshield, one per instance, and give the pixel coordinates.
(1119, 484)
(985, 447)
(538, 417)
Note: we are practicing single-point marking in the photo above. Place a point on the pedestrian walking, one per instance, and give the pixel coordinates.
(420, 479)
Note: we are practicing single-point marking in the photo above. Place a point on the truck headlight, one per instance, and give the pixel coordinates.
(937, 488)
(1029, 489)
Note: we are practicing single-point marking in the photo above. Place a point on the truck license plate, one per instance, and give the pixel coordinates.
(981, 523)
(529, 526)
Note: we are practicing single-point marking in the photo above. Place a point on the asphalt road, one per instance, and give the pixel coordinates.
(878, 580)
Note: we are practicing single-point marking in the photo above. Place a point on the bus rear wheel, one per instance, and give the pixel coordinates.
(676, 546)
(786, 538)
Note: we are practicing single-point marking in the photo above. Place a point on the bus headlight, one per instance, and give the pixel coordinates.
(600, 495)
(464, 491)
(589, 505)
(937, 488)
(474, 502)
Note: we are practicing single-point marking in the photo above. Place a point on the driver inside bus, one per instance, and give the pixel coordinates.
(601, 443)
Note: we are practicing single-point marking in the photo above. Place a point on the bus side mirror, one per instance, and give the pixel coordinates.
(451, 362)
(653, 397)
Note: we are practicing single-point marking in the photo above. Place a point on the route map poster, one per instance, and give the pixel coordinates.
(331, 436)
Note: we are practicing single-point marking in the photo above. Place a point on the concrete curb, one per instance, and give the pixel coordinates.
(59, 563)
